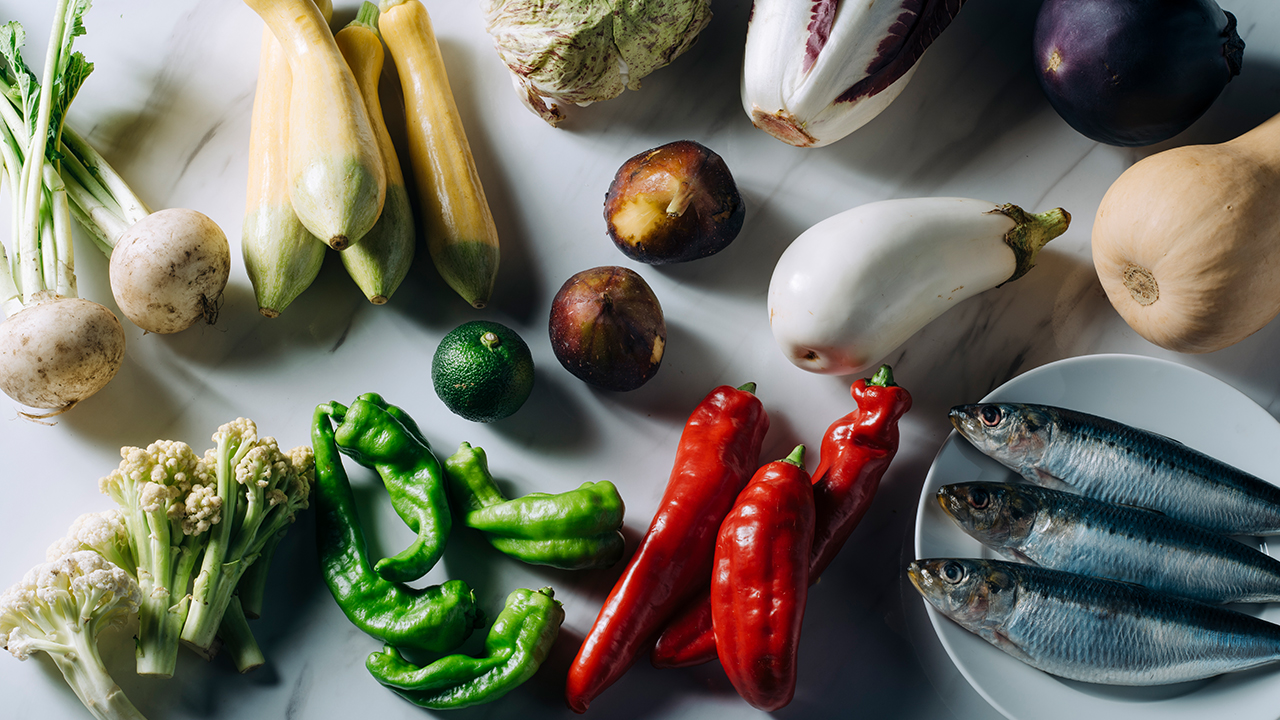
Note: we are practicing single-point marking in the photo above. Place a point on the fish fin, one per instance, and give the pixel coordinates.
(1129, 583)
(1002, 641)
(1047, 479)
(1138, 507)
(1021, 557)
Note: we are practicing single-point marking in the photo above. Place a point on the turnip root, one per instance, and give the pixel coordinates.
(59, 351)
(169, 269)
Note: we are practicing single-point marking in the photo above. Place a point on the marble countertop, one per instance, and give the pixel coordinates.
(169, 105)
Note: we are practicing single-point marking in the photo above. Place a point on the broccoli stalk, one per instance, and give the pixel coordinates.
(261, 491)
(168, 505)
(59, 608)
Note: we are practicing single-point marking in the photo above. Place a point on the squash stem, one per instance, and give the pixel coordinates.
(1031, 231)
(367, 18)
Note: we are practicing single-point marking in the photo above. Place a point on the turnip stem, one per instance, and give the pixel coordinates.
(89, 223)
(32, 171)
(132, 208)
(64, 262)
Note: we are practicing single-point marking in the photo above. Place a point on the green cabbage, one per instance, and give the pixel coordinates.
(582, 51)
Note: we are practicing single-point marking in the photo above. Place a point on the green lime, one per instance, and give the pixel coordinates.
(482, 371)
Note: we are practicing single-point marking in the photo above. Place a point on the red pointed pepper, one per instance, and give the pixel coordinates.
(718, 451)
(760, 582)
(856, 451)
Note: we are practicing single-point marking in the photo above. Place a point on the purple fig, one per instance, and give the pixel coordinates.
(607, 328)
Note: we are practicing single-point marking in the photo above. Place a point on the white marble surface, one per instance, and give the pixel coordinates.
(169, 105)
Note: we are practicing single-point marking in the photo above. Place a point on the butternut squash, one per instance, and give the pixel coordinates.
(381, 260)
(281, 256)
(461, 235)
(1186, 242)
(336, 179)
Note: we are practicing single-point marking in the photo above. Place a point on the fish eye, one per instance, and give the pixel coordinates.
(979, 497)
(990, 415)
(953, 572)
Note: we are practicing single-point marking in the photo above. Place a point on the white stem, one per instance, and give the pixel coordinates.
(33, 177)
(64, 269)
(132, 207)
(101, 221)
(48, 244)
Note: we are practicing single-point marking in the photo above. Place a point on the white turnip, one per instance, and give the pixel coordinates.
(59, 351)
(169, 269)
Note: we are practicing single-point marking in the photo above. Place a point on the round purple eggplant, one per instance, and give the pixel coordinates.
(1134, 72)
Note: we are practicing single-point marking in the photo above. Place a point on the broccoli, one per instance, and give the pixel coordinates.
(60, 607)
(260, 490)
(168, 503)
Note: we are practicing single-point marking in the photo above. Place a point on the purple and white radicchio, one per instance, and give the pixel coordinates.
(816, 70)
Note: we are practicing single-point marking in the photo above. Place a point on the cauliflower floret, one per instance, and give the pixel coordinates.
(59, 608)
(103, 532)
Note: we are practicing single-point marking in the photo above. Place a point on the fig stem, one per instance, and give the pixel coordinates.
(680, 201)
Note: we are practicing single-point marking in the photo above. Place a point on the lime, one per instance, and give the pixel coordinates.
(482, 371)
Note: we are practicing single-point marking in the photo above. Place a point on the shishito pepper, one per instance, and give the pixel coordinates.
(436, 618)
(574, 530)
(718, 450)
(760, 582)
(856, 451)
(518, 642)
(382, 437)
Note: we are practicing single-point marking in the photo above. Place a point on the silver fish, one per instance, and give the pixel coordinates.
(1069, 532)
(1090, 629)
(1090, 455)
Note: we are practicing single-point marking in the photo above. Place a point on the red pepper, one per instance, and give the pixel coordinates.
(718, 450)
(760, 581)
(856, 451)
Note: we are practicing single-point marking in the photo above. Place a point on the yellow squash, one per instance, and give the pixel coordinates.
(281, 256)
(1187, 242)
(336, 179)
(461, 236)
(382, 257)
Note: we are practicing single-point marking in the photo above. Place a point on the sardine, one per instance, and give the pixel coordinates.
(1090, 629)
(1062, 531)
(1089, 455)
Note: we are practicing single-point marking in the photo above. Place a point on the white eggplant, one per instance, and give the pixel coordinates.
(816, 70)
(854, 287)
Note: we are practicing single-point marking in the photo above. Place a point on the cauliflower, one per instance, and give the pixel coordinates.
(59, 608)
(261, 489)
(167, 506)
(102, 532)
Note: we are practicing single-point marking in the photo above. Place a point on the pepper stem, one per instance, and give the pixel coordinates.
(796, 457)
(1031, 231)
(749, 387)
(883, 377)
(335, 410)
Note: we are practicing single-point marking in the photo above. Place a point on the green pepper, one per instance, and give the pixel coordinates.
(436, 618)
(573, 530)
(382, 437)
(518, 642)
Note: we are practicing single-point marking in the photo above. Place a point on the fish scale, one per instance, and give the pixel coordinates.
(1115, 633)
(1071, 532)
(1101, 458)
